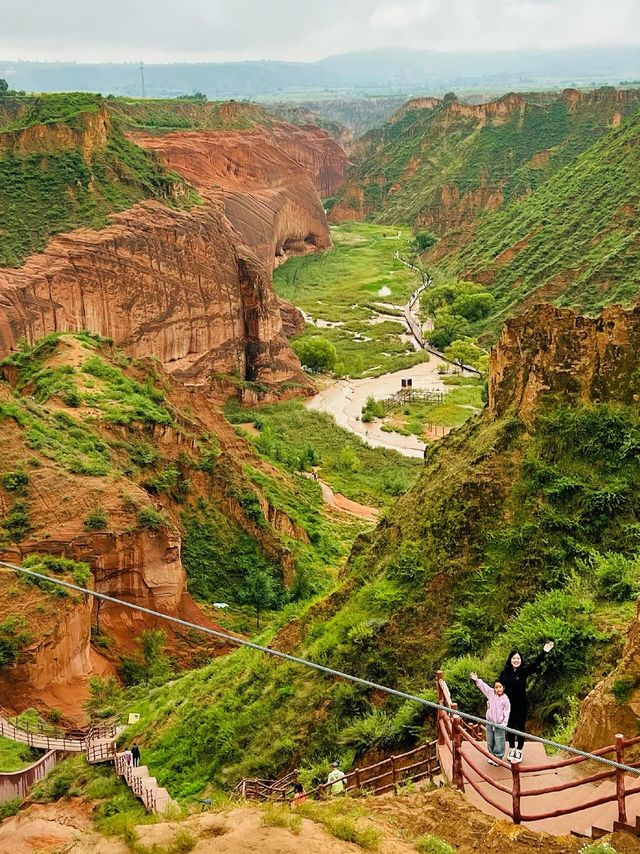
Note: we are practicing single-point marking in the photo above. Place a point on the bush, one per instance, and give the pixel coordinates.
(345, 829)
(622, 689)
(13, 638)
(17, 523)
(149, 518)
(96, 520)
(598, 848)
(9, 808)
(54, 565)
(316, 353)
(429, 844)
(617, 577)
(372, 409)
(15, 481)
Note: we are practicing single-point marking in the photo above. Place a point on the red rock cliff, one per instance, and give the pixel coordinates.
(550, 350)
(179, 286)
(269, 179)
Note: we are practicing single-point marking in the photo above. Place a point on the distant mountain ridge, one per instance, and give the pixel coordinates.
(384, 69)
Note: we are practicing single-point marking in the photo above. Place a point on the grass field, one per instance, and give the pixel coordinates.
(350, 286)
(462, 401)
(371, 476)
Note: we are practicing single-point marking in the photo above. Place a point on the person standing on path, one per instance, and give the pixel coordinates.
(135, 753)
(498, 708)
(514, 678)
(336, 779)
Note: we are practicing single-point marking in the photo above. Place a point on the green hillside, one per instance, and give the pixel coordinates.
(425, 165)
(65, 163)
(575, 241)
(509, 537)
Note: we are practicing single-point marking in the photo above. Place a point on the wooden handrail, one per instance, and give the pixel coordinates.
(451, 733)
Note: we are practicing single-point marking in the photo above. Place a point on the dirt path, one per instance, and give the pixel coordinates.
(337, 501)
(344, 400)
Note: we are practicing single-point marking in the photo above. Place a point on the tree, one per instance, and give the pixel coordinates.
(473, 306)
(4, 86)
(448, 327)
(465, 352)
(316, 353)
(258, 590)
(422, 241)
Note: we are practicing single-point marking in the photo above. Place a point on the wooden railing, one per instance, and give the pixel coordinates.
(16, 784)
(383, 776)
(463, 739)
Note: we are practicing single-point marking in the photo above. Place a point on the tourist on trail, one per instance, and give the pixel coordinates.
(299, 795)
(498, 708)
(135, 754)
(514, 678)
(127, 756)
(336, 779)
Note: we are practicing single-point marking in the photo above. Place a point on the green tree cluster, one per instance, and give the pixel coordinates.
(316, 353)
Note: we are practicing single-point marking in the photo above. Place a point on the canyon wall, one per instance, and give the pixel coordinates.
(172, 284)
(269, 179)
(548, 350)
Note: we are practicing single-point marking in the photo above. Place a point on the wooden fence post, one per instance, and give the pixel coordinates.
(394, 773)
(515, 792)
(440, 714)
(357, 773)
(620, 783)
(458, 778)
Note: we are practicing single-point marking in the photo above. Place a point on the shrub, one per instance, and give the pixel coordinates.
(9, 808)
(598, 848)
(316, 353)
(622, 689)
(17, 523)
(617, 577)
(348, 459)
(55, 565)
(150, 518)
(429, 844)
(15, 481)
(372, 409)
(13, 638)
(96, 520)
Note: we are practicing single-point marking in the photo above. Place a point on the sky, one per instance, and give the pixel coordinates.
(224, 30)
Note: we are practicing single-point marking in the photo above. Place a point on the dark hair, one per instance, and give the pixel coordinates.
(298, 788)
(508, 665)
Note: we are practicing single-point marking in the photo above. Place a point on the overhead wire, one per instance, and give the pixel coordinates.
(322, 668)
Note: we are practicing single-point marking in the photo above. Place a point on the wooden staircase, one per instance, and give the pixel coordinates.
(155, 798)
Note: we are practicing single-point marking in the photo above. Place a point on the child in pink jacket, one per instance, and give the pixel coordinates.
(498, 709)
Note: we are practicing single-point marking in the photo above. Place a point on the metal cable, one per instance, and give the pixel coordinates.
(330, 671)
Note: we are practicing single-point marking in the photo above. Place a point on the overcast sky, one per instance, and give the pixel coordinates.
(213, 30)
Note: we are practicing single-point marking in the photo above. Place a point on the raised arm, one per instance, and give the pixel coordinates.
(486, 690)
(537, 661)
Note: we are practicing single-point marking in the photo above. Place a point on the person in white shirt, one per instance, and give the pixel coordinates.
(336, 779)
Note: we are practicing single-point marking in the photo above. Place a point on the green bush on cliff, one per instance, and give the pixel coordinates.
(53, 565)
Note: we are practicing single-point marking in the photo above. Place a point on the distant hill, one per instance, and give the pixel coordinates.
(574, 242)
(389, 71)
(440, 163)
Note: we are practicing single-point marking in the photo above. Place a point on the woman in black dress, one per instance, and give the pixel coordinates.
(514, 678)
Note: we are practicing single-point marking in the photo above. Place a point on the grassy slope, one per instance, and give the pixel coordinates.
(158, 115)
(495, 546)
(343, 285)
(426, 149)
(14, 756)
(581, 243)
(44, 191)
(83, 413)
(369, 475)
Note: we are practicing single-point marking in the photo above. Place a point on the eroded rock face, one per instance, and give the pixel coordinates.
(602, 713)
(269, 179)
(176, 285)
(549, 350)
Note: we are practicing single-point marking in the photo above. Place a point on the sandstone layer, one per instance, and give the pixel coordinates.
(549, 350)
(176, 285)
(269, 179)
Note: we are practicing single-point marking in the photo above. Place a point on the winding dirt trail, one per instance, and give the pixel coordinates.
(340, 502)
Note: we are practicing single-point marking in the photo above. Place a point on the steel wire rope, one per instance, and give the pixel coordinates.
(322, 668)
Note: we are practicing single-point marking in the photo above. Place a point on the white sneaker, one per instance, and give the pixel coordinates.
(512, 754)
(491, 762)
(518, 756)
